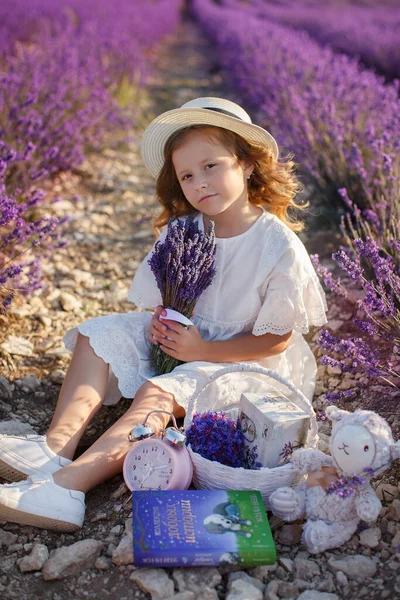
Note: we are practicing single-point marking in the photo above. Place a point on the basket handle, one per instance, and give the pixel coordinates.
(301, 400)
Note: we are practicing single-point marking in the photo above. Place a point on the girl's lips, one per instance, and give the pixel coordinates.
(206, 197)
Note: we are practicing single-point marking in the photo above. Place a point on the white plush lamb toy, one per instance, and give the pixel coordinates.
(336, 494)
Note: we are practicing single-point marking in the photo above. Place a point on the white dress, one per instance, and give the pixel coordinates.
(265, 282)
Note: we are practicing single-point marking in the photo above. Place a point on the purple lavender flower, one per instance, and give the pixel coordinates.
(183, 266)
(345, 486)
(288, 449)
(217, 437)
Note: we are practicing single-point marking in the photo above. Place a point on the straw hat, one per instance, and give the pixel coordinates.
(200, 111)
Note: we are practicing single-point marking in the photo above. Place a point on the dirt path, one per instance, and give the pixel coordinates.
(109, 234)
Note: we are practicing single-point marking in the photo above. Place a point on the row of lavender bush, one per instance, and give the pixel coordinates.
(343, 124)
(62, 68)
(340, 119)
(368, 32)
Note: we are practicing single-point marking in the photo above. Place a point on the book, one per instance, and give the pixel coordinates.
(184, 528)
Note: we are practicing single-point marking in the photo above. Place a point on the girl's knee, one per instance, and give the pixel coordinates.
(161, 397)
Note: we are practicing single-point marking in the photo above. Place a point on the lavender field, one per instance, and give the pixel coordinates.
(342, 121)
(70, 75)
(79, 81)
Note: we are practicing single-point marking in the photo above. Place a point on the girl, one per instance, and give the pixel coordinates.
(210, 161)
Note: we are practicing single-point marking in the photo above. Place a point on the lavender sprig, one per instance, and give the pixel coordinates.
(288, 449)
(183, 266)
(347, 485)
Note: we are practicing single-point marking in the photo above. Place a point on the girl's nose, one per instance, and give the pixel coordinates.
(201, 184)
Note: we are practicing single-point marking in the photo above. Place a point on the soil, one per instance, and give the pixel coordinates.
(108, 235)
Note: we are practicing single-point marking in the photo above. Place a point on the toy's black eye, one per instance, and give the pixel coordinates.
(366, 448)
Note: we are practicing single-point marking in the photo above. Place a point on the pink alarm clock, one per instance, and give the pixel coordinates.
(157, 463)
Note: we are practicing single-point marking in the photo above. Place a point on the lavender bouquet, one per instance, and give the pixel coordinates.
(184, 266)
(220, 438)
(217, 437)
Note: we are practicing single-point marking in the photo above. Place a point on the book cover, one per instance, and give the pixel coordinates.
(200, 528)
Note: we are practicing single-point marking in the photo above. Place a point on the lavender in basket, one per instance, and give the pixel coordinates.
(220, 438)
(184, 266)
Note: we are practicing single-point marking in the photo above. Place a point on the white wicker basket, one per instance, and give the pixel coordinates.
(211, 475)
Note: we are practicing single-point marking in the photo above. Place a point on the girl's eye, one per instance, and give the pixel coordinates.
(184, 177)
(210, 165)
(366, 448)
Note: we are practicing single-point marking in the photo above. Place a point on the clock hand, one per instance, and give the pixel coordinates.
(160, 467)
(147, 475)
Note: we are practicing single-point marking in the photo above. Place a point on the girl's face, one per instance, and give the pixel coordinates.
(211, 178)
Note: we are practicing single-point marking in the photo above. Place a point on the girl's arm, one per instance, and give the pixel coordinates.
(188, 345)
(246, 348)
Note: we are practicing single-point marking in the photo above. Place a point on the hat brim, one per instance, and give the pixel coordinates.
(162, 127)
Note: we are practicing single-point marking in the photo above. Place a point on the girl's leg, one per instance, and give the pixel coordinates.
(105, 457)
(80, 398)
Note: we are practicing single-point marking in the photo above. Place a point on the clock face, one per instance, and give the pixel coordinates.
(150, 465)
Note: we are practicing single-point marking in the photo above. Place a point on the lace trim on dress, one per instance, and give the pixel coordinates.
(305, 306)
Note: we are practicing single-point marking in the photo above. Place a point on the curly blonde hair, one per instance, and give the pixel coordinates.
(273, 184)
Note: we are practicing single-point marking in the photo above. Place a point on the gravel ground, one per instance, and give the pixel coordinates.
(108, 235)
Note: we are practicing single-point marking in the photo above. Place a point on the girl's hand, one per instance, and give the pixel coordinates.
(157, 329)
(185, 343)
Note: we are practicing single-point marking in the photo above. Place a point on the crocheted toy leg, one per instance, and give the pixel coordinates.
(319, 535)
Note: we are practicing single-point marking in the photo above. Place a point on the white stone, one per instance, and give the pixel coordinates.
(45, 320)
(102, 563)
(287, 563)
(306, 569)
(242, 590)
(70, 560)
(120, 491)
(334, 324)
(116, 529)
(247, 579)
(271, 592)
(288, 590)
(30, 383)
(370, 537)
(207, 594)
(185, 596)
(57, 376)
(263, 572)
(341, 578)
(6, 389)
(35, 560)
(396, 539)
(395, 509)
(314, 595)
(123, 553)
(82, 277)
(69, 302)
(17, 345)
(59, 352)
(193, 578)
(355, 567)
(7, 538)
(155, 582)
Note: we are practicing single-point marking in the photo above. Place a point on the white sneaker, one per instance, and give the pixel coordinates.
(40, 502)
(23, 455)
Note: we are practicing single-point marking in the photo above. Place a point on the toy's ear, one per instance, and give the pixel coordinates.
(395, 450)
(336, 414)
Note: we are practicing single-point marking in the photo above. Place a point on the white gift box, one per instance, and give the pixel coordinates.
(272, 425)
